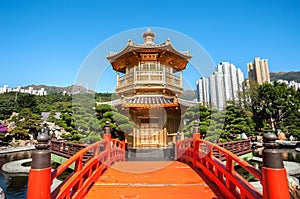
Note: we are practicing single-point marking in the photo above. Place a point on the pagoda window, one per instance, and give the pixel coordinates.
(145, 120)
(153, 67)
(144, 66)
(149, 66)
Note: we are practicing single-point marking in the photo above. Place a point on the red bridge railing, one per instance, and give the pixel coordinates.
(204, 156)
(100, 155)
(201, 155)
(103, 154)
(92, 161)
(239, 147)
(65, 149)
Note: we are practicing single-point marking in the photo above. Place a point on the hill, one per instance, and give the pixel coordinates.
(56, 89)
(188, 95)
(289, 76)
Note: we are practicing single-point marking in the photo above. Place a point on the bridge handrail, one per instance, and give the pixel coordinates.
(231, 156)
(238, 147)
(65, 149)
(198, 152)
(103, 154)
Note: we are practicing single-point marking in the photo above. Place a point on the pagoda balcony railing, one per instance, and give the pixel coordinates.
(144, 78)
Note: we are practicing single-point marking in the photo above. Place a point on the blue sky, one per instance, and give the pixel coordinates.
(46, 42)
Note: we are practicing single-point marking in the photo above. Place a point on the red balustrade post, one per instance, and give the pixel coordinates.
(124, 150)
(107, 136)
(39, 180)
(106, 129)
(176, 148)
(196, 135)
(275, 183)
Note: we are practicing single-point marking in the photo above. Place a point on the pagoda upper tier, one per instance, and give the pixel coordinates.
(133, 53)
(149, 68)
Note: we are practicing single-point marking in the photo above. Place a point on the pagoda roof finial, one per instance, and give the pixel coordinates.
(149, 36)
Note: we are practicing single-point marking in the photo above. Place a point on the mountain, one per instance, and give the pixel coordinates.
(56, 89)
(188, 95)
(289, 76)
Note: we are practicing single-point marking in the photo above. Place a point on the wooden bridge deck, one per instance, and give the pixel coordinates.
(152, 179)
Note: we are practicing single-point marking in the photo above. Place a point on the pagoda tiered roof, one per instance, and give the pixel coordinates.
(150, 101)
(167, 54)
(160, 101)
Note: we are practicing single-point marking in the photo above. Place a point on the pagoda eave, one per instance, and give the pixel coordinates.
(149, 106)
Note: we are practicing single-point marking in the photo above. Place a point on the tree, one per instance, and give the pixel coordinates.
(273, 105)
(196, 113)
(210, 122)
(291, 125)
(4, 138)
(249, 94)
(27, 123)
(237, 121)
(119, 123)
(7, 107)
(216, 124)
(26, 101)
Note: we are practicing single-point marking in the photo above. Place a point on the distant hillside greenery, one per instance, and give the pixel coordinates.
(289, 76)
(78, 116)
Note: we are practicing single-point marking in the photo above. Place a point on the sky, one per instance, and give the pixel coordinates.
(49, 42)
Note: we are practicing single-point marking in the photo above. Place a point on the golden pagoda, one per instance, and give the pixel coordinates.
(149, 82)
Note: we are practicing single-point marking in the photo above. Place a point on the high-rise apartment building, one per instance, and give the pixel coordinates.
(258, 71)
(217, 91)
(233, 79)
(222, 86)
(203, 91)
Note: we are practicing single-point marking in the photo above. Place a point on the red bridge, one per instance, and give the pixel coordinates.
(101, 171)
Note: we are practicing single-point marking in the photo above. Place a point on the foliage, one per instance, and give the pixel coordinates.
(210, 121)
(78, 115)
(274, 105)
(27, 123)
(237, 121)
(105, 97)
(265, 105)
(196, 113)
(119, 123)
(4, 138)
(7, 107)
(216, 124)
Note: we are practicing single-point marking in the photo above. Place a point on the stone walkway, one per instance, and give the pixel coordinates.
(292, 168)
(16, 166)
(16, 149)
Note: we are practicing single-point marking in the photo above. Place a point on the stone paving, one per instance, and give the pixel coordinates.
(16, 149)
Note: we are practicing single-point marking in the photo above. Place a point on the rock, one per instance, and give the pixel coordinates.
(281, 136)
(259, 138)
(22, 143)
(2, 194)
(294, 191)
(244, 136)
(292, 180)
(287, 144)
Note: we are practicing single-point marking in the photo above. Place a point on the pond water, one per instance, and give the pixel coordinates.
(287, 154)
(14, 185)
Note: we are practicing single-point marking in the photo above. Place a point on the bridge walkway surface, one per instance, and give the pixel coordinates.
(152, 179)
